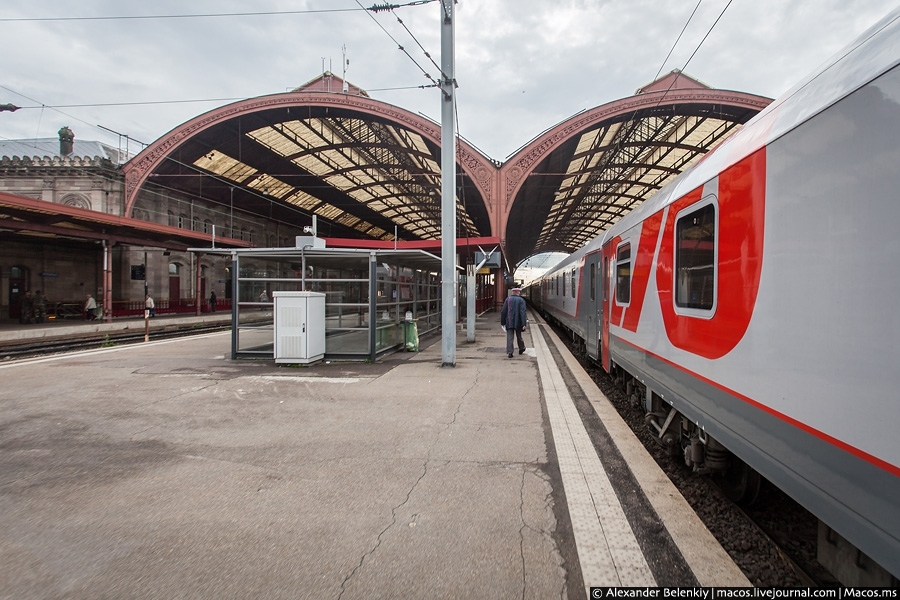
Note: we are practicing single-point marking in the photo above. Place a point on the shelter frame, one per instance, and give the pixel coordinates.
(369, 295)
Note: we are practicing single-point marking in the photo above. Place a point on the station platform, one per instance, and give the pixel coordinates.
(164, 469)
(12, 332)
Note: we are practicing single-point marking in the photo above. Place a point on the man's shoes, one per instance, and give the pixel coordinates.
(521, 352)
(510, 355)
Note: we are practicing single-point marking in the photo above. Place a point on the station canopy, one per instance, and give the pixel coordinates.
(371, 171)
(363, 175)
(632, 147)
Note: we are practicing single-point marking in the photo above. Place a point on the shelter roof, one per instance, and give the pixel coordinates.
(28, 218)
(339, 257)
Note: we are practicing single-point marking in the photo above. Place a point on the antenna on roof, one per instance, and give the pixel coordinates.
(346, 63)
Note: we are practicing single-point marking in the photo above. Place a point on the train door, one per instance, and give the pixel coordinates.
(18, 285)
(593, 308)
(606, 286)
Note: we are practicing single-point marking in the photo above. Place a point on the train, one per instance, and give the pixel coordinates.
(752, 306)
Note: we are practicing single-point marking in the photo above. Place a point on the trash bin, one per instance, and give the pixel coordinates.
(410, 336)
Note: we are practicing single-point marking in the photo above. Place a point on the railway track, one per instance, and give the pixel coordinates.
(42, 347)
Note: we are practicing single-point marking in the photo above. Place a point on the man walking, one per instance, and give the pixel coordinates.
(513, 319)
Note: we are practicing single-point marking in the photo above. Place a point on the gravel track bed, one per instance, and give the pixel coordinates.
(765, 558)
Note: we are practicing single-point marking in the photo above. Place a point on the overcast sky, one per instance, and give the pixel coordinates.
(522, 65)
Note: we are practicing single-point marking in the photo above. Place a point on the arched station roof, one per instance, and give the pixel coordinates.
(363, 167)
(368, 169)
(572, 182)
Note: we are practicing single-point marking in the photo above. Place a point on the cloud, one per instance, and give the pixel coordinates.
(522, 65)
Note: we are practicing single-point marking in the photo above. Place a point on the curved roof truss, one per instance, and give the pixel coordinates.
(580, 177)
(369, 170)
(364, 168)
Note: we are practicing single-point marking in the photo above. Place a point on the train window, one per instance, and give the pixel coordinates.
(623, 273)
(573, 282)
(695, 258)
(593, 280)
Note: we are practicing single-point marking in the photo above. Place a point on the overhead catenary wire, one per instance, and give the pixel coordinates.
(399, 45)
(139, 103)
(175, 16)
(678, 39)
(691, 57)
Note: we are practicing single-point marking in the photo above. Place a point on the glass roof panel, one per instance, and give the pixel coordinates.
(225, 166)
(385, 167)
(271, 186)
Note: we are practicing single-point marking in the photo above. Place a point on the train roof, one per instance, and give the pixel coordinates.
(875, 52)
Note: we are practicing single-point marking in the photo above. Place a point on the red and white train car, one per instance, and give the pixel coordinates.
(753, 304)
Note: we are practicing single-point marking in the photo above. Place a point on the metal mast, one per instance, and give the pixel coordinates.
(448, 188)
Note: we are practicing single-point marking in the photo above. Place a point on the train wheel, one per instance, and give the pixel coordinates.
(741, 484)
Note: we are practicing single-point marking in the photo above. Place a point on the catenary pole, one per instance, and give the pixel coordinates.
(448, 189)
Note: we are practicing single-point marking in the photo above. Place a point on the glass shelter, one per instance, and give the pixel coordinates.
(369, 295)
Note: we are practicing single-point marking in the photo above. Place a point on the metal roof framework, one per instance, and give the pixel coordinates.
(580, 177)
(371, 171)
(365, 169)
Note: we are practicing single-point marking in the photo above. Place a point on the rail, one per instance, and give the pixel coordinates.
(135, 308)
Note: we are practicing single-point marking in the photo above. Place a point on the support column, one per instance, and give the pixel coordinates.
(471, 312)
(198, 299)
(107, 283)
(448, 189)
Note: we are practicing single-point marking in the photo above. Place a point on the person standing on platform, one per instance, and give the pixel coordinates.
(150, 305)
(90, 308)
(212, 301)
(513, 319)
(27, 312)
(40, 307)
(263, 297)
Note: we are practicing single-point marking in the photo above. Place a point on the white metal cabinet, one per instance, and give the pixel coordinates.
(299, 327)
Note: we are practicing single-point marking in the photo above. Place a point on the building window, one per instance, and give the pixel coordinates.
(623, 273)
(695, 258)
(207, 226)
(195, 224)
(173, 269)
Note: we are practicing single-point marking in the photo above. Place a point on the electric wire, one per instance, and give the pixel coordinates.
(683, 29)
(190, 16)
(424, 51)
(141, 103)
(694, 53)
(399, 45)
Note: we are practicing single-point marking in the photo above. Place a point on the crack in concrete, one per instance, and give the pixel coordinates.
(383, 531)
(409, 493)
(456, 412)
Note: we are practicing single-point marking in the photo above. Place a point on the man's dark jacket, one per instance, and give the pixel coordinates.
(512, 315)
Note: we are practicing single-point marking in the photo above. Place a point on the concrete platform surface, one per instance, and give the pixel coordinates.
(163, 470)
